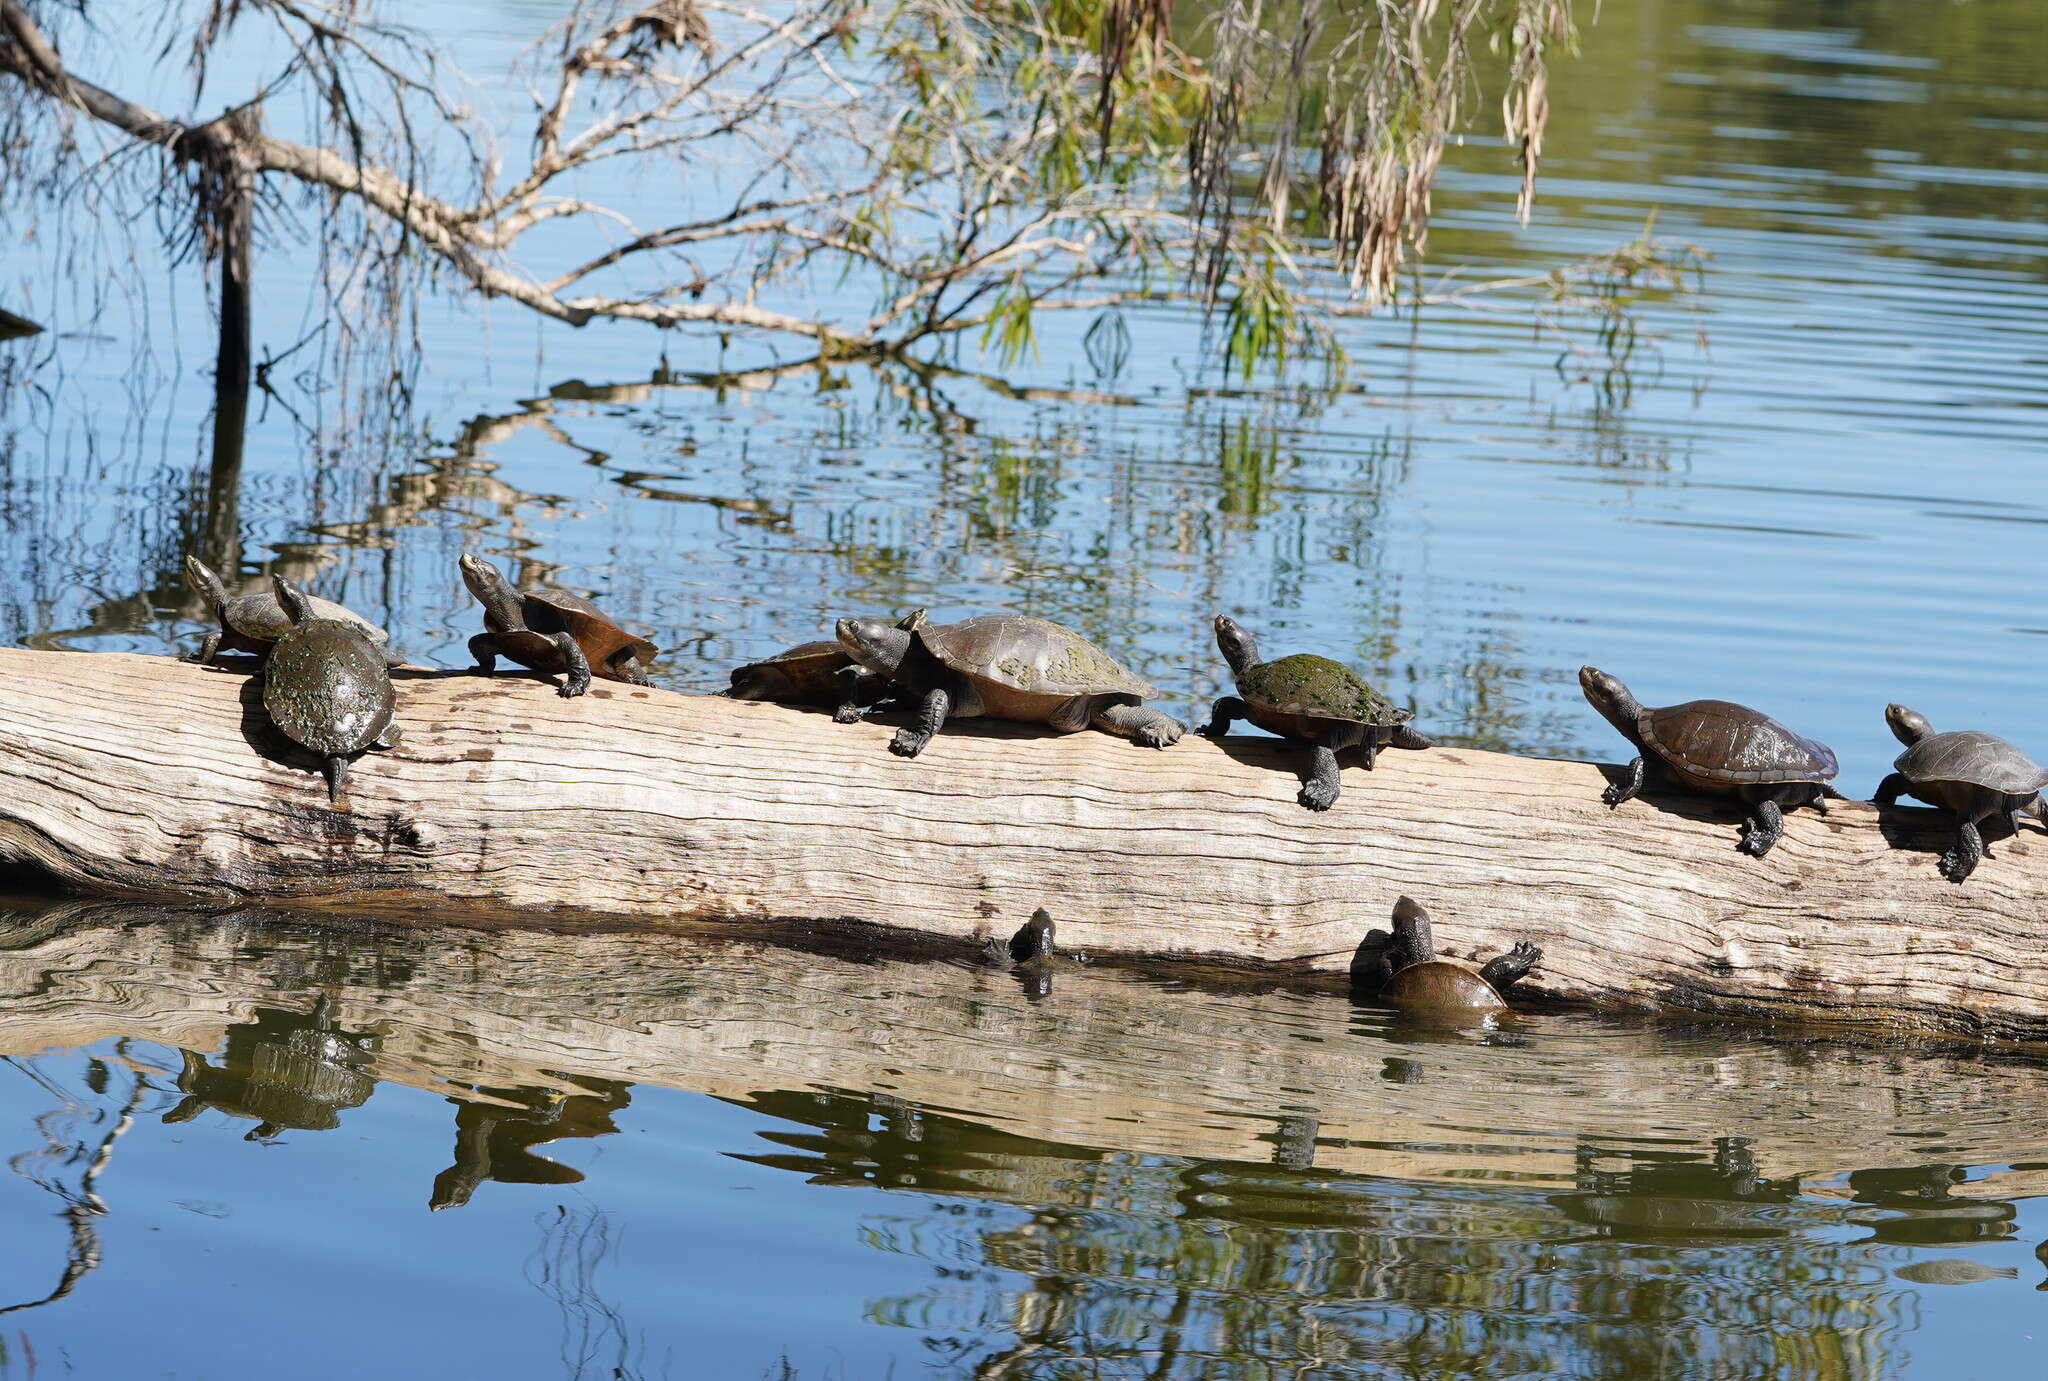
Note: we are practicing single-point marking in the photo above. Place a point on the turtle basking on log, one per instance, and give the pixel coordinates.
(1006, 666)
(252, 623)
(1720, 748)
(820, 673)
(1977, 775)
(327, 687)
(1405, 969)
(1311, 698)
(551, 630)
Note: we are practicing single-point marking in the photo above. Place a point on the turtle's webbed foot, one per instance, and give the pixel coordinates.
(908, 743)
(848, 714)
(1955, 866)
(1160, 731)
(1318, 794)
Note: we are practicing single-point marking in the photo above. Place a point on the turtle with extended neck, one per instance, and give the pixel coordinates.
(253, 623)
(1720, 748)
(819, 673)
(1976, 775)
(551, 631)
(327, 687)
(1405, 969)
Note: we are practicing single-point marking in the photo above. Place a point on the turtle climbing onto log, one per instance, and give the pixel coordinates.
(1006, 666)
(551, 630)
(252, 623)
(1310, 698)
(1977, 775)
(820, 673)
(1405, 969)
(327, 687)
(1722, 749)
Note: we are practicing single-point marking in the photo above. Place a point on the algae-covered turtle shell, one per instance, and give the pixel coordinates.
(328, 688)
(252, 622)
(1307, 687)
(1031, 656)
(1719, 743)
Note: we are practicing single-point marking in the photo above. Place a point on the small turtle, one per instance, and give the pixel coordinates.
(1312, 698)
(1031, 954)
(821, 673)
(550, 630)
(1404, 969)
(1975, 774)
(326, 686)
(251, 623)
(1006, 666)
(1719, 748)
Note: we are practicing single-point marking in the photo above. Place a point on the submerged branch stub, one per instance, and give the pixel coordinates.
(145, 776)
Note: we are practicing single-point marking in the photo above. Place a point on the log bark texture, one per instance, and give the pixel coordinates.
(144, 776)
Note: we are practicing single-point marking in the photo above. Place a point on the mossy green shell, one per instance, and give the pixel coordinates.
(1317, 688)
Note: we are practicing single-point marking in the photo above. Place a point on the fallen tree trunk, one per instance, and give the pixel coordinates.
(145, 776)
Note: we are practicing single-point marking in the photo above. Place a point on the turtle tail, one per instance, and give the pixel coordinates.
(336, 771)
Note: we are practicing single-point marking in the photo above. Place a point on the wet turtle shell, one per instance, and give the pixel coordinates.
(1971, 757)
(1305, 687)
(1717, 744)
(1443, 985)
(327, 687)
(1044, 664)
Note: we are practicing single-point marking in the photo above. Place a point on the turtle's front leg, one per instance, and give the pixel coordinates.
(1319, 792)
(209, 645)
(1510, 968)
(1766, 827)
(931, 717)
(1629, 787)
(1889, 790)
(1962, 860)
(863, 690)
(1141, 724)
(574, 663)
(484, 647)
(1226, 711)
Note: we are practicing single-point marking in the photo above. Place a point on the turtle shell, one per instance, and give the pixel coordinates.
(1443, 985)
(558, 611)
(808, 669)
(1975, 758)
(260, 616)
(1032, 656)
(1317, 688)
(326, 687)
(1722, 742)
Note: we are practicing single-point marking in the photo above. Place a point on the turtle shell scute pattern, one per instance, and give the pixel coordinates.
(1305, 684)
(1973, 757)
(1722, 741)
(1030, 655)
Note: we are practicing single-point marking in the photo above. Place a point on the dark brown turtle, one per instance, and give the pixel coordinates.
(1006, 666)
(251, 623)
(1404, 969)
(821, 673)
(326, 686)
(1031, 954)
(1722, 749)
(1311, 698)
(551, 630)
(1975, 774)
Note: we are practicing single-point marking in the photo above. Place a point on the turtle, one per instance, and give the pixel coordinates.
(1312, 698)
(819, 673)
(1975, 774)
(1404, 969)
(251, 623)
(550, 630)
(1721, 748)
(1031, 954)
(327, 687)
(1006, 666)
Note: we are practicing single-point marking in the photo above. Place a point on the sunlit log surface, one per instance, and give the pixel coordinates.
(146, 776)
(1104, 1063)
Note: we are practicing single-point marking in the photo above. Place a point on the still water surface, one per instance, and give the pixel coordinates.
(719, 1159)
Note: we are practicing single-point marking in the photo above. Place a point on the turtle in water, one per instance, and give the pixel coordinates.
(1404, 969)
(551, 630)
(1975, 774)
(1032, 954)
(820, 673)
(1719, 748)
(1006, 666)
(252, 623)
(1312, 698)
(327, 687)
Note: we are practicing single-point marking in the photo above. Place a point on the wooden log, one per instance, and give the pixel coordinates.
(146, 776)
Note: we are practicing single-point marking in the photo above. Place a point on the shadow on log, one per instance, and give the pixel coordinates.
(131, 775)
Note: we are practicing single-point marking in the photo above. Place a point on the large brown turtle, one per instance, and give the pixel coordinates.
(1975, 774)
(1404, 968)
(1006, 666)
(326, 686)
(1720, 748)
(1307, 697)
(252, 623)
(820, 673)
(551, 630)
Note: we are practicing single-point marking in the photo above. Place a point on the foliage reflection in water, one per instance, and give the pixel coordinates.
(929, 1168)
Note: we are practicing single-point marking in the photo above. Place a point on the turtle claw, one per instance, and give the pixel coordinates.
(1612, 797)
(907, 744)
(1163, 734)
(1953, 867)
(848, 714)
(1318, 796)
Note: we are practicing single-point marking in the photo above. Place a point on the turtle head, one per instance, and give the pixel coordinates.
(911, 621)
(1034, 939)
(291, 599)
(1413, 943)
(877, 644)
(1240, 649)
(1907, 726)
(490, 588)
(205, 583)
(1609, 696)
